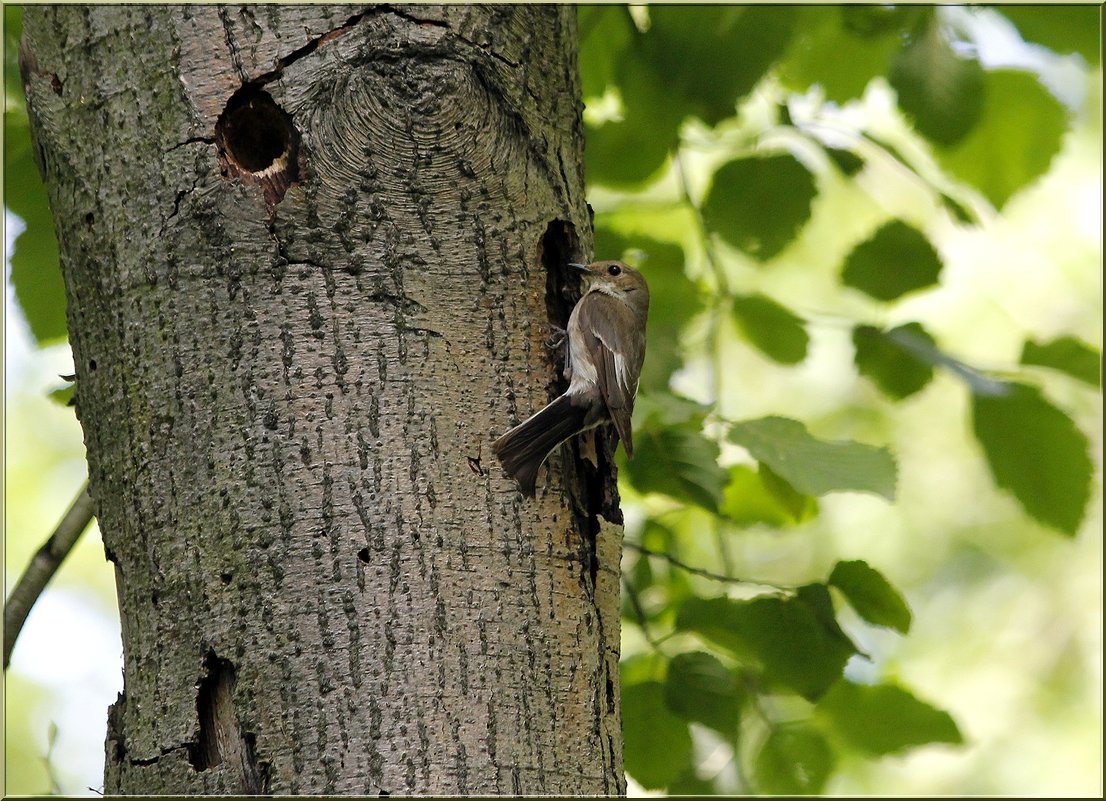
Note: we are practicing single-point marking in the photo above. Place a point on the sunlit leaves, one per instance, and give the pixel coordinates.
(938, 88)
(632, 150)
(700, 688)
(1061, 28)
(1036, 452)
(793, 760)
(1068, 355)
(708, 57)
(758, 204)
(813, 466)
(657, 743)
(884, 719)
(659, 74)
(974, 132)
(817, 599)
(897, 371)
(897, 259)
(871, 595)
(782, 636)
(35, 272)
(671, 455)
(776, 331)
(760, 496)
(13, 29)
(1015, 139)
(815, 54)
(848, 162)
(605, 32)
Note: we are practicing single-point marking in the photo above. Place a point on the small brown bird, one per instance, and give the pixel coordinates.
(603, 356)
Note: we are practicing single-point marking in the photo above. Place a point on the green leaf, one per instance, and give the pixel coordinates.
(659, 75)
(957, 209)
(775, 330)
(781, 635)
(923, 349)
(690, 784)
(898, 372)
(700, 688)
(630, 152)
(64, 395)
(812, 466)
(873, 20)
(814, 57)
(871, 595)
(752, 497)
(884, 719)
(1061, 28)
(801, 507)
(896, 259)
(13, 83)
(759, 204)
(604, 31)
(708, 57)
(793, 760)
(662, 264)
(677, 461)
(1036, 452)
(1068, 355)
(848, 162)
(657, 743)
(817, 599)
(941, 91)
(35, 270)
(666, 409)
(1013, 144)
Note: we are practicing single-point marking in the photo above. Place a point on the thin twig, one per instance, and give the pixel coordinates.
(698, 571)
(42, 568)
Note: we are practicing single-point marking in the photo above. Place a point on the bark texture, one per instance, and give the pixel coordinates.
(311, 254)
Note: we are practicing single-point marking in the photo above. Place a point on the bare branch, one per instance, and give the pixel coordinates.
(42, 568)
(698, 571)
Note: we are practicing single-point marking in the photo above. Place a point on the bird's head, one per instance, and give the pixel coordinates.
(613, 277)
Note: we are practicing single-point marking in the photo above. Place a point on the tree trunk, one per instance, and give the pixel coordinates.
(311, 257)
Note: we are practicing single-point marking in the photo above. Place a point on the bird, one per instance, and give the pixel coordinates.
(604, 352)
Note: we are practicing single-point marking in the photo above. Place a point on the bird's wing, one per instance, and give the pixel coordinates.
(616, 338)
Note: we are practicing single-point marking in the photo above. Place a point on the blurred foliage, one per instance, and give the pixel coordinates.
(715, 136)
(34, 263)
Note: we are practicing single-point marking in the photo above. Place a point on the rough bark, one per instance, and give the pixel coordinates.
(311, 254)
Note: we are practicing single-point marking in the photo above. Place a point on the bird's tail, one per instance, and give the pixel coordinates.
(523, 449)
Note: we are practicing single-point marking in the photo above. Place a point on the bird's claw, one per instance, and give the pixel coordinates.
(556, 338)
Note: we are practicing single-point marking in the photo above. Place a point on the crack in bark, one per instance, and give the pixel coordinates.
(390, 9)
(181, 195)
(302, 52)
(193, 140)
(165, 751)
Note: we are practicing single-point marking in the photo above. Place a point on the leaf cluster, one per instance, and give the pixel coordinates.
(712, 134)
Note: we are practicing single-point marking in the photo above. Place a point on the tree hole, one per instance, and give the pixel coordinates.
(258, 142)
(559, 245)
(215, 711)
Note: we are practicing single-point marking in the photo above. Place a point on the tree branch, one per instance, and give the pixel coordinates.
(698, 571)
(42, 568)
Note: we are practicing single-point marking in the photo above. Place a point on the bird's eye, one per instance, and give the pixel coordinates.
(614, 269)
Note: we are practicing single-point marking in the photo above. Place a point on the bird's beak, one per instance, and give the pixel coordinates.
(581, 267)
